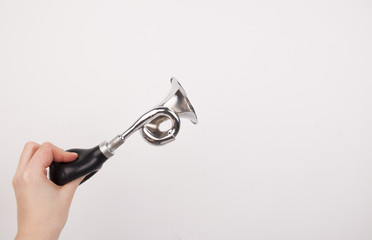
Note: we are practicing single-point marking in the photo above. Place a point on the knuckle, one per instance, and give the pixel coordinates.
(47, 145)
(30, 144)
(27, 177)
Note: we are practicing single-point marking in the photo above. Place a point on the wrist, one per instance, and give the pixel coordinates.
(36, 235)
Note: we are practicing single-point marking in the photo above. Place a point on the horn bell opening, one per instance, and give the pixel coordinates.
(178, 101)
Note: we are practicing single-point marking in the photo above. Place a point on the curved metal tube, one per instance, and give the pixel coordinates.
(149, 134)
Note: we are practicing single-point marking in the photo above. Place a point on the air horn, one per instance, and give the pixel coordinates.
(175, 106)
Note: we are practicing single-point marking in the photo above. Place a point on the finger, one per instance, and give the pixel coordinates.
(47, 153)
(70, 188)
(28, 151)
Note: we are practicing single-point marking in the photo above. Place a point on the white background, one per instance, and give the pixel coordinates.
(283, 94)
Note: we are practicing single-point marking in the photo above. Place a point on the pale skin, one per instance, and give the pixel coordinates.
(42, 206)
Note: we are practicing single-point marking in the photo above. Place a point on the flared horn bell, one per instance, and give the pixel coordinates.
(177, 106)
(177, 101)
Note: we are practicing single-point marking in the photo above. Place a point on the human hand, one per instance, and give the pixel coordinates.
(42, 206)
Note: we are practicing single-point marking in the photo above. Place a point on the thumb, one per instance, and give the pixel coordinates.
(70, 188)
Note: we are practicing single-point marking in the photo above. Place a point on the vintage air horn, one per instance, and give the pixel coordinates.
(175, 106)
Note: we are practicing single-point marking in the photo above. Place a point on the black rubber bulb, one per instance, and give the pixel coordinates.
(88, 162)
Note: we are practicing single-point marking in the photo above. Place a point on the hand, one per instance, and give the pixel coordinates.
(42, 206)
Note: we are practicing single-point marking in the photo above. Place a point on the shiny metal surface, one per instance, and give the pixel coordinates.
(174, 107)
(105, 150)
(175, 101)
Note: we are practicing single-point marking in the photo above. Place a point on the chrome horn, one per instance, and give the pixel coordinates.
(174, 107)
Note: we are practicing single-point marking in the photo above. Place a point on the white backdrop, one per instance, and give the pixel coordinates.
(283, 94)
